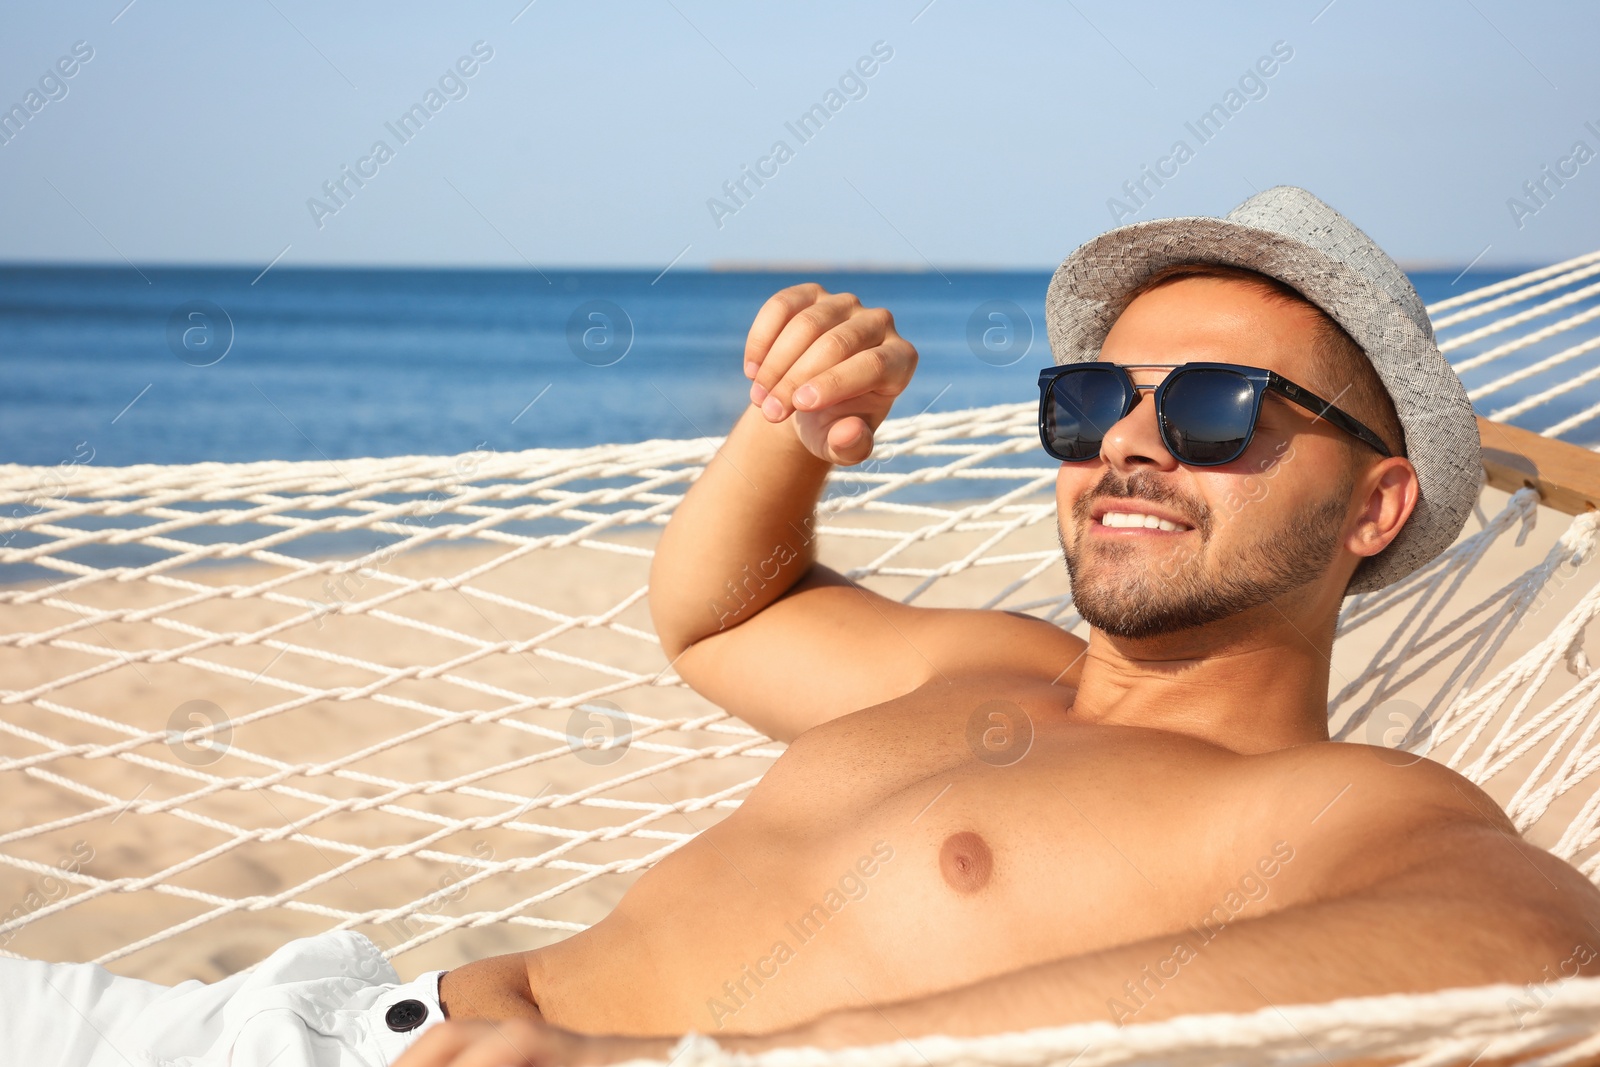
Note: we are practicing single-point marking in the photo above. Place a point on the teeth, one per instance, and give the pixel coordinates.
(1123, 519)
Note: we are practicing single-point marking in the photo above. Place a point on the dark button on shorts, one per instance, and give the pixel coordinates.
(404, 1016)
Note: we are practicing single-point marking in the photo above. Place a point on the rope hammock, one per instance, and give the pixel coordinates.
(420, 696)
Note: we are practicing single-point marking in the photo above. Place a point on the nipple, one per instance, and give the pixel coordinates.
(966, 862)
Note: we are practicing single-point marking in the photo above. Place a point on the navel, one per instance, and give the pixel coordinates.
(965, 862)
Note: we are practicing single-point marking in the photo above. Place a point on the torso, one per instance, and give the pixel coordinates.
(884, 856)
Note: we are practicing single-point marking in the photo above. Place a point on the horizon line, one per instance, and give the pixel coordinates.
(775, 266)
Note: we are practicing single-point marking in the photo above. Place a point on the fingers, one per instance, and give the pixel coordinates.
(879, 359)
(885, 370)
(773, 317)
(437, 1047)
(508, 1043)
(523, 1043)
(835, 325)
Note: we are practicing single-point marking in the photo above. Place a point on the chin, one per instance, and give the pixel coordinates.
(1126, 593)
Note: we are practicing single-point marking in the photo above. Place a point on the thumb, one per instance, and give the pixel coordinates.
(850, 440)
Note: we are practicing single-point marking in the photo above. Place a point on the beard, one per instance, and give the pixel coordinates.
(1124, 592)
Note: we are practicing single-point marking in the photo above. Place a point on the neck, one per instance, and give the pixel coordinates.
(1255, 683)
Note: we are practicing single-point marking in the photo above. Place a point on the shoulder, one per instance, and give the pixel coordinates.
(1357, 815)
(983, 641)
(1368, 821)
(1397, 789)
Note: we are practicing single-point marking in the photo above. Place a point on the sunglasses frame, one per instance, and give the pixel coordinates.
(1262, 381)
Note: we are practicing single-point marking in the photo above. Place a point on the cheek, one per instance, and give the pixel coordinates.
(1069, 490)
(1073, 480)
(1252, 507)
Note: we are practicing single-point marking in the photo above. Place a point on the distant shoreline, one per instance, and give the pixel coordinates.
(714, 267)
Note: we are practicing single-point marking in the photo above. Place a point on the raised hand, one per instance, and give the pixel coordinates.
(833, 364)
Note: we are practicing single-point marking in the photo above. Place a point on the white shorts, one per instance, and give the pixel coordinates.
(316, 1002)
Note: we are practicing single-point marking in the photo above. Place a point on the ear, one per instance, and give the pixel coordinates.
(1389, 490)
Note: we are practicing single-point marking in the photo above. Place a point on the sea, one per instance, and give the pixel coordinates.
(186, 365)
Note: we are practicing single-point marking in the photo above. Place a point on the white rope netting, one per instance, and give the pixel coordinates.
(421, 697)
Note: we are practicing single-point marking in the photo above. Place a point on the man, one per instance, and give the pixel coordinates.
(983, 823)
(1178, 835)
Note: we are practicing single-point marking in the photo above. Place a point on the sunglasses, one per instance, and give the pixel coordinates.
(1206, 412)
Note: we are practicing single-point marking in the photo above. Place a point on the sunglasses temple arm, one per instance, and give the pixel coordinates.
(1325, 410)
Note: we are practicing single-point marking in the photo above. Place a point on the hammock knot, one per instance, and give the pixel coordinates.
(1580, 535)
(1528, 501)
(1577, 660)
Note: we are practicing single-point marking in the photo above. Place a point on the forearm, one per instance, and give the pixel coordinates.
(1467, 916)
(1311, 954)
(742, 536)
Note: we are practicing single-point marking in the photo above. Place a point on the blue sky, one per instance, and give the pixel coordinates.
(597, 134)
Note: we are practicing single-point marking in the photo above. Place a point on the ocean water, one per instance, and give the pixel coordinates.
(345, 363)
(190, 365)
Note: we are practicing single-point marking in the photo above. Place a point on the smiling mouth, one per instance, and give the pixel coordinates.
(1139, 520)
(1139, 507)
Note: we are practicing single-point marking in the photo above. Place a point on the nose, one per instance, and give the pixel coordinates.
(1134, 442)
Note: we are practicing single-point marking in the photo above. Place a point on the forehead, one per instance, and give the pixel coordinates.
(1220, 320)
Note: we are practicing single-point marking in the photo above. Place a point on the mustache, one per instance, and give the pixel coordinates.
(1144, 485)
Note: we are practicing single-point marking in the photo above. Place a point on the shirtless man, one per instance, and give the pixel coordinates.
(1160, 825)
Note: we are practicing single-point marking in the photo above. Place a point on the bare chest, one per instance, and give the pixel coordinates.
(934, 840)
(1004, 816)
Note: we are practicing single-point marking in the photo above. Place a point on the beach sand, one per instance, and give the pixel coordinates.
(332, 746)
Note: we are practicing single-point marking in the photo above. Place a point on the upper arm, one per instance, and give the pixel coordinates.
(828, 647)
(1499, 908)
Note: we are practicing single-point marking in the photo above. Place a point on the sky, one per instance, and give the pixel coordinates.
(948, 133)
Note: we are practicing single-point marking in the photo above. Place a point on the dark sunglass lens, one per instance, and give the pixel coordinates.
(1083, 405)
(1208, 415)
